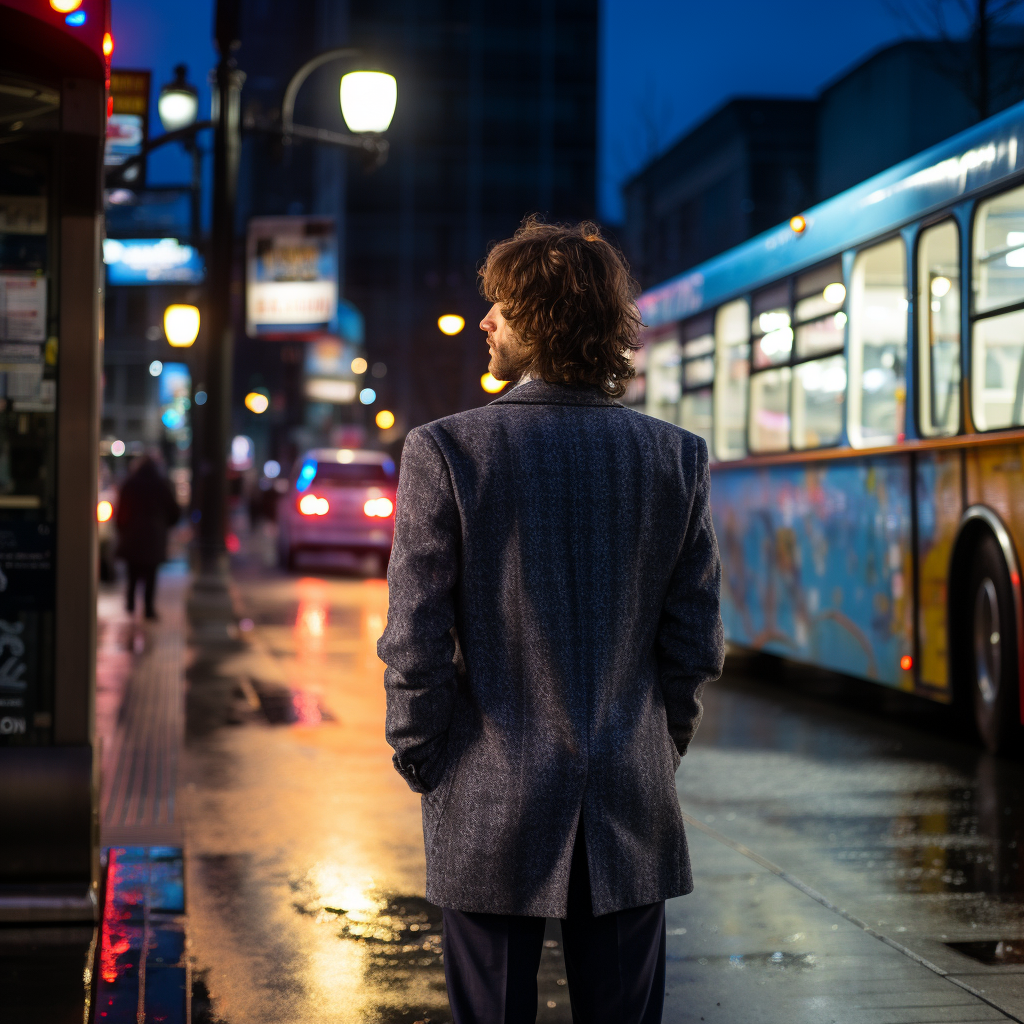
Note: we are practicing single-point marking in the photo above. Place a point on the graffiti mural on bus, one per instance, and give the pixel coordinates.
(817, 563)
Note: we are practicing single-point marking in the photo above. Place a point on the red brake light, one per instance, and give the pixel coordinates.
(311, 505)
(379, 508)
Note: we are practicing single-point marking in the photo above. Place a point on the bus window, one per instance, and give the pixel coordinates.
(999, 252)
(938, 330)
(769, 410)
(997, 357)
(771, 326)
(818, 312)
(878, 345)
(819, 397)
(698, 373)
(732, 359)
(663, 379)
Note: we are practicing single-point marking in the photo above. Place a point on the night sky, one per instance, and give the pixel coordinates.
(665, 64)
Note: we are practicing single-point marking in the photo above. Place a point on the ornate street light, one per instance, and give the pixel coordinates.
(178, 104)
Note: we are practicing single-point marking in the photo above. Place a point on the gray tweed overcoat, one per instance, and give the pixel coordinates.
(553, 617)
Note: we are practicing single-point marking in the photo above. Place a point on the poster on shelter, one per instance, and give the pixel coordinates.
(291, 277)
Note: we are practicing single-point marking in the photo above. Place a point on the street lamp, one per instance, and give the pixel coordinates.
(181, 325)
(368, 100)
(178, 104)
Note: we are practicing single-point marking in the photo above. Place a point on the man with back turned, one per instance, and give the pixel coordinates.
(554, 616)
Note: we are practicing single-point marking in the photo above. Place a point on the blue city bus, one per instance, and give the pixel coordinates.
(858, 375)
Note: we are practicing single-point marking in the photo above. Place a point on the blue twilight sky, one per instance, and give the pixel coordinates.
(665, 64)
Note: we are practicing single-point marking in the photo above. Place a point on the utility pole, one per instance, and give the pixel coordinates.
(209, 604)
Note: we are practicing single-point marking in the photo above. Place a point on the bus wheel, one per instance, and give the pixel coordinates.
(992, 653)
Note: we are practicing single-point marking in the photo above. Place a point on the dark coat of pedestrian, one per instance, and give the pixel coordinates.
(146, 510)
(554, 615)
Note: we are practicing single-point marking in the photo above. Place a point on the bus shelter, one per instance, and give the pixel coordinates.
(54, 69)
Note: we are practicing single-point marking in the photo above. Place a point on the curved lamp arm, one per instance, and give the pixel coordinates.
(300, 76)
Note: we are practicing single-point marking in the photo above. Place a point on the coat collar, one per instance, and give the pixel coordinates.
(541, 392)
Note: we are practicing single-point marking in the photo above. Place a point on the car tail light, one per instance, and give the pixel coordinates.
(104, 510)
(379, 508)
(311, 505)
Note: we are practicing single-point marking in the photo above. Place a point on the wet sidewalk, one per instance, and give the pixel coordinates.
(848, 869)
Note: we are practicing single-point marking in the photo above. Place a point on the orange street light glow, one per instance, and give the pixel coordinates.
(359, 365)
(257, 402)
(65, 6)
(491, 384)
(451, 323)
(108, 44)
(798, 224)
(385, 419)
(906, 663)
(104, 510)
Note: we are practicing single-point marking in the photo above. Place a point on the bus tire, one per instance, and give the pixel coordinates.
(991, 648)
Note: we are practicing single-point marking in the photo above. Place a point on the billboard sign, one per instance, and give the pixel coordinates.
(291, 277)
(128, 122)
(151, 261)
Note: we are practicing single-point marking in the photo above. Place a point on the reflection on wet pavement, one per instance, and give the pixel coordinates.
(306, 860)
(916, 835)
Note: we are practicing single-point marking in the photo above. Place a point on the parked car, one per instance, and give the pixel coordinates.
(339, 500)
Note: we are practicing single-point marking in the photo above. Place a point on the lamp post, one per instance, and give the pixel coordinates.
(178, 107)
(368, 103)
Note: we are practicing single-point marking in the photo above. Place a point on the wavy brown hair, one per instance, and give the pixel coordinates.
(568, 296)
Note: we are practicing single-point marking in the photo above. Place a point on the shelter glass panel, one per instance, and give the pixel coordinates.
(878, 345)
(938, 330)
(732, 351)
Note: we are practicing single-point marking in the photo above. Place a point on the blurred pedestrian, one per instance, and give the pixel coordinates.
(554, 616)
(146, 510)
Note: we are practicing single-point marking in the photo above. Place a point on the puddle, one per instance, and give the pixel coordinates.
(993, 953)
(776, 960)
(286, 705)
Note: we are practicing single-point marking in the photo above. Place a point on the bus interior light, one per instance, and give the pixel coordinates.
(941, 286)
(834, 293)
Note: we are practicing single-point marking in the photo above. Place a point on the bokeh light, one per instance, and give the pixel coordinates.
(451, 323)
(385, 419)
(491, 384)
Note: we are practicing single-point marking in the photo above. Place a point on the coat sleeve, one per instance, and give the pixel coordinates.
(418, 645)
(691, 644)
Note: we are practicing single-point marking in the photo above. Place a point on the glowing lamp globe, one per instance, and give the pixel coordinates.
(451, 323)
(181, 325)
(178, 104)
(65, 6)
(368, 100)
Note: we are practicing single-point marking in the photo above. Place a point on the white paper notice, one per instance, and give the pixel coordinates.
(22, 308)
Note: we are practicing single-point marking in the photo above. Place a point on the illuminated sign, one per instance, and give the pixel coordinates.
(128, 123)
(151, 261)
(291, 277)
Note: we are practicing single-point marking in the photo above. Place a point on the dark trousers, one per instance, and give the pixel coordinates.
(147, 574)
(614, 964)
